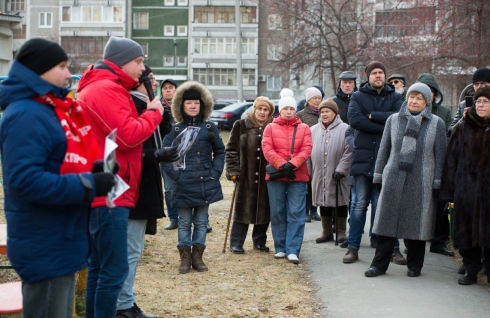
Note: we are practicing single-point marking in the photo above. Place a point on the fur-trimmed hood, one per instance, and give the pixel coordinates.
(206, 99)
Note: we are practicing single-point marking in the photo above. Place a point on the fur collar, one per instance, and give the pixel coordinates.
(206, 98)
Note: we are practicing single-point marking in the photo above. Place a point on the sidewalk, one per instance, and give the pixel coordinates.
(345, 292)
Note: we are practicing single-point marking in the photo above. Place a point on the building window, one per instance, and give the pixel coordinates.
(168, 61)
(181, 30)
(144, 46)
(274, 52)
(168, 30)
(405, 22)
(182, 2)
(273, 83)
(91, 14)
(215, 14)
(181, 60)
(16, 5)
(223, 46)
(274, 21)
(223, 77)
(140, 20)
(46, 20)
(169, 2)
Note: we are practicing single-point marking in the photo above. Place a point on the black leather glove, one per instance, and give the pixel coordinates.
(287, 168)
(377, 186)
(99, 167)
(338, 176)
(435, 193)
(103, 183)
(167, 154)
(291, 175)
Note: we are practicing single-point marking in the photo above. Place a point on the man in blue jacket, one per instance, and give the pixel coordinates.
(47, 155)
(369, 108)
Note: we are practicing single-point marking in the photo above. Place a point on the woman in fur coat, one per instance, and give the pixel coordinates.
(245, 165)
(465, 182)
(408, 174)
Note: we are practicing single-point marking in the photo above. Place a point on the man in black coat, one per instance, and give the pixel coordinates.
(149, 206)
(347, 86)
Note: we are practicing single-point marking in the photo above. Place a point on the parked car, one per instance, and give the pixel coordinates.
(226, 117)
(221, 103)
(276, 111)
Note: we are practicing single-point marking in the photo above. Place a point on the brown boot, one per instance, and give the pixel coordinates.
(398, 258)
(185, 259)
(197, 263)
(351, 256)
(342, 223)
(326, 230)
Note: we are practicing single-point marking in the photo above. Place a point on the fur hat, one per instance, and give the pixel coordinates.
(482, 75)
(329, 103)
(482, 91)
(287, 99)
(374, 64)
(312, 92)
(264, 101)
(422, 89)
(40, 55)
(121, 50)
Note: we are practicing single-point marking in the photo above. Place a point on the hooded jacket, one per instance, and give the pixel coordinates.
(104, 93)
(367, 136)
(47, 215)
(198, 184)
(437, 108)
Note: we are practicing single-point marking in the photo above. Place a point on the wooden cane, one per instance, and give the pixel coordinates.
(229, 216)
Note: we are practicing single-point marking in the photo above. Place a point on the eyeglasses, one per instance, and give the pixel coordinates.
(396, 81)
(480, 102)
(152, 78)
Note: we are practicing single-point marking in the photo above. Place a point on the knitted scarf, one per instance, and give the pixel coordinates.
(81, 148)
(409, 142)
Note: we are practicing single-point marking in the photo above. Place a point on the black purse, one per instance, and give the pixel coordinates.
(275, 174)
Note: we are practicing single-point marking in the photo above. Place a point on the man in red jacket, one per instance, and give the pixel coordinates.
(104, 93)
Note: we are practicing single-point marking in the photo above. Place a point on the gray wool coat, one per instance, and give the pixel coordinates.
(406, 205)
(330, 153)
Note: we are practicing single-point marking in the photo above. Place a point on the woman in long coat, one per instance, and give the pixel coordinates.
(408, 170)
(465, 182)
(197, 185)
(330, 161)
(245, 165)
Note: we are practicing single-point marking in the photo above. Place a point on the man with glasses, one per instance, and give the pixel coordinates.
(398, 81)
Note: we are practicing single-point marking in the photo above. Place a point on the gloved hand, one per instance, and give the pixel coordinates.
(167, 154)
(435, 193)
(104, 182)
(338, 176)
(234, 178)
(287, 168)
(377, 186)
(291, 175)
(98, 166)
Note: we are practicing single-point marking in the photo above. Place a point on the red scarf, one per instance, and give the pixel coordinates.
(81, 148)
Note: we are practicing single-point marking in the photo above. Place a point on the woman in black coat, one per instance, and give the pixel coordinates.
(465, 182)
(245, 165)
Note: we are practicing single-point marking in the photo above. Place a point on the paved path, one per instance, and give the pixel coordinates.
(346, 293)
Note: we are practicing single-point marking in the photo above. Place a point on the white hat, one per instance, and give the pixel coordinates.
(312, 92)
(287, 99)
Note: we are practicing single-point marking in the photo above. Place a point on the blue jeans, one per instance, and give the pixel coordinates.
(52, 297)
(136, 244)
(108, 263)
(362, 193)
(197, 216)
(173, 213)
(287, 205)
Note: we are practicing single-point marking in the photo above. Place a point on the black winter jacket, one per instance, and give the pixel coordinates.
(367, 136)
(342, 100)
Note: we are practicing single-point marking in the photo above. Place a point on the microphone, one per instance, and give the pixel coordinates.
(149, 88)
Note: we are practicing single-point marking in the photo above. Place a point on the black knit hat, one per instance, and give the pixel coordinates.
(146, 72)
(482, 75)
(374, 64)
(191, 94)
(40, 55)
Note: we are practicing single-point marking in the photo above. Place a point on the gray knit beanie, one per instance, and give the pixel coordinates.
(422, 89)
(121, 50)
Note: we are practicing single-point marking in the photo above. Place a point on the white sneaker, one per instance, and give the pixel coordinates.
(280, 255)
(293, 259)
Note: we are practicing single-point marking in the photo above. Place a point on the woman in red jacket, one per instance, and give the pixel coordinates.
(287, 146)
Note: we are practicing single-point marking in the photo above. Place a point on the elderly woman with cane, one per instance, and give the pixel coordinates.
(245, 165)
(465, 183)
(330, 161)
(408, 174)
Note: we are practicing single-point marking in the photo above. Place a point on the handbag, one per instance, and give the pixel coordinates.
(275, 174)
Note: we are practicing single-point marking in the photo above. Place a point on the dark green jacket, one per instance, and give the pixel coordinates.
(437, 109)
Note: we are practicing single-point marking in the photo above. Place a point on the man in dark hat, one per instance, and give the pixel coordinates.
(47, 179)
(398, 81)
(347, 86)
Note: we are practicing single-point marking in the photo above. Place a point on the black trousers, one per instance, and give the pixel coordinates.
(310, 208)
(239, 233)
(472, 259)
(441, 230)
(384, 249)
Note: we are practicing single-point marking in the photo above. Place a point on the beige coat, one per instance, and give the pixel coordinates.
(330, 153)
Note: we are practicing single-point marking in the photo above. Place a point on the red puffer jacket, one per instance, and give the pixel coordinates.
(103, 92)
(277, 142)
